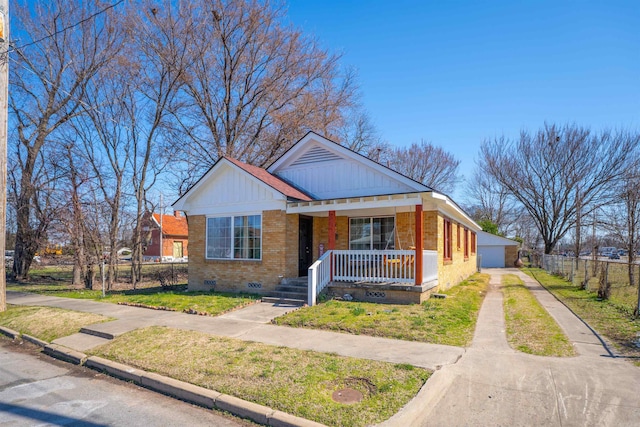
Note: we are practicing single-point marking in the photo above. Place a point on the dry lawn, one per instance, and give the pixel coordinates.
(47, 323)
(530, 328)
(449, 321)
(294, 381)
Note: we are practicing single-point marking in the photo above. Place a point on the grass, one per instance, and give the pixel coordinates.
(623, 295)
(47, 323)
(530, 328)
(59, 276)
(607, 317)
(208, 303)
(448, 321)
(294, 381)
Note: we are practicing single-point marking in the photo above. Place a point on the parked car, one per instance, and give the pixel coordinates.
(614, 255)
(608, 250)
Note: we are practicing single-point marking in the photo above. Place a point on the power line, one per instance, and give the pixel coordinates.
(11, 49)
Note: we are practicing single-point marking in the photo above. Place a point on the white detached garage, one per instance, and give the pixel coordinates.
(496, 251)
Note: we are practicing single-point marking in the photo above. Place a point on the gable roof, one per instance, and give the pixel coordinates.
(256, 174)
(328, 170)
(488, 239)
(271, 180)
(309, 157)
(172, 225)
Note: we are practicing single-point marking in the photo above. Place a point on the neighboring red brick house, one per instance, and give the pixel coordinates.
(175, 237)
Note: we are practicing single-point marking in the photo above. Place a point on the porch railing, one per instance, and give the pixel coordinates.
(318, 277)
(379, 266)
(374, 266)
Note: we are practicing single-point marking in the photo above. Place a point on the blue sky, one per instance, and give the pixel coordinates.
(458, 72)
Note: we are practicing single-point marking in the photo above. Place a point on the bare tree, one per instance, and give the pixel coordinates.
(358, 132)
(65, 48)
(157, 59)
(550, 170)
(73, 214)
(255, 85)
(106, 149)
(424, 162)
(622, 221)
(489, 201)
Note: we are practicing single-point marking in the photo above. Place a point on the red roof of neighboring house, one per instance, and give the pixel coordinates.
(271, 180)
(173, 225)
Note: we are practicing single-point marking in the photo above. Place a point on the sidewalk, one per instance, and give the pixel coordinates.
(249, 324)
(486, 384)
(494, 385)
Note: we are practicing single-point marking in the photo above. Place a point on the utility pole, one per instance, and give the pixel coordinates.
(161, 217)
(4, 113)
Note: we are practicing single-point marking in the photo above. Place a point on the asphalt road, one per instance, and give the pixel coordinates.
(38, 390)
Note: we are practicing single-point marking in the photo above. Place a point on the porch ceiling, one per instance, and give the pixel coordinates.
(358, 206)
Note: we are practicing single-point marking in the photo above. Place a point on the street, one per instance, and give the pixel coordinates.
(38, 390)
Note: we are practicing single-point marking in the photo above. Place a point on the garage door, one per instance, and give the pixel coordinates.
(492, 256)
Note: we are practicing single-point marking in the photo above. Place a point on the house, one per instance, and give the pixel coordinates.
(170, 232)
(496, 251)
(325, 212)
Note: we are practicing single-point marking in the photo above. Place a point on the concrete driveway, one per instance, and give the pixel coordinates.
(493, 385)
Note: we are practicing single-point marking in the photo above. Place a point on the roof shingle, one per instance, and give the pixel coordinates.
(271, 180)
(173, 225)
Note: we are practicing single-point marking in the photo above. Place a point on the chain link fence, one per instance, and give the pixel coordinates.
(153, 274)
(608, 279)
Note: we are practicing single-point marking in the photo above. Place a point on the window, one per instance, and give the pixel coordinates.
(371, 233)
(458, 236)
(466, 244)
(473, 242)
(447, 239)
(234, 237)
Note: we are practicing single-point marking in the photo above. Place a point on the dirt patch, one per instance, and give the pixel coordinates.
(347, 396)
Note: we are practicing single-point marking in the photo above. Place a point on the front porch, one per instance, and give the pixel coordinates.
(398, 276)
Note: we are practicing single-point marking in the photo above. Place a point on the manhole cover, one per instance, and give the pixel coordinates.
(347, 395)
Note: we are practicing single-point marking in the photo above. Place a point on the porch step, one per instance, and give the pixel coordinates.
(288, 301)
(285, 294)
(296, 281)
(294, 289)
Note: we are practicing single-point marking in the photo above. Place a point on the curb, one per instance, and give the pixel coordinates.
(10, 333)
(201, 396)
(187, 392)
(34, 340)
(66, 354)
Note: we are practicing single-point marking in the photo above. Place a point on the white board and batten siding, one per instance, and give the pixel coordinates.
(230, 190)
(325, 172)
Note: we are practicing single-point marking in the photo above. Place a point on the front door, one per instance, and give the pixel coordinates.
(177, 249)
(305, 242)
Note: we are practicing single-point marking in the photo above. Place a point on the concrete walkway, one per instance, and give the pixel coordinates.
(486, 384)
(251, 323)
(495, 385)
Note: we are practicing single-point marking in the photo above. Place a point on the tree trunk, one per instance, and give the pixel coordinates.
(604, 287)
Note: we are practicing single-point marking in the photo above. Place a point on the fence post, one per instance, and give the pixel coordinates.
(572, 270)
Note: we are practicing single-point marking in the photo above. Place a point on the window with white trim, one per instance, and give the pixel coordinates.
(234, 237)
(372, 233)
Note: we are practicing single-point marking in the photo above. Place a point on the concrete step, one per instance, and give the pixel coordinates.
(292, 288)
(295, 281)
(110, 330)
(285, 294)
(288, 301)
(88, 330)
(81, 342)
